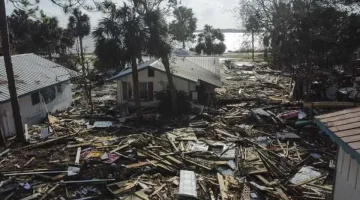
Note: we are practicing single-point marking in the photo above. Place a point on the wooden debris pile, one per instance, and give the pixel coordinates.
(240, 150)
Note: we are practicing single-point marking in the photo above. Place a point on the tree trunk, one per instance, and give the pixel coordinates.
(135, 78)
(10, 74)
(84, 71)
(265, 54)
(253, 46)
(183, 44)
(166, 63)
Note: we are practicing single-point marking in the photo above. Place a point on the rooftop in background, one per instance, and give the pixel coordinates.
(32, 73)
(343, 127)
(181, 67)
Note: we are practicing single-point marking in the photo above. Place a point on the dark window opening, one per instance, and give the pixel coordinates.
(151, 72)
(143, 91)
(35, 98)
(125, 90)
(49, 94)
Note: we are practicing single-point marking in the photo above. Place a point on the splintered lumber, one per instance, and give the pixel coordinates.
(172, 143)
(142, 195)
(174, 160)
(48, 141)
(140, 164)
(121, 187)
(158, 190)
(77, 159)
(224, 133)
(28, 162)
(119, 148)
(4, 152)
(197, 164)
(223, 189)
(48, 192)
(281, 194)
(33, 196)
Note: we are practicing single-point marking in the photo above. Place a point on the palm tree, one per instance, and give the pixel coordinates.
(123, 27)
(10, 73)
(79, 24)
(158, 46)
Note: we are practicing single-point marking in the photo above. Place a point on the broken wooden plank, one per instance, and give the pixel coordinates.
(4, 152)
(119, 148)
(140, 164)
(158, 190)
(223, 189)
(77, 159)
(172, 143)
(33, 196)
(224, 133)
(281, 193)
(49, 192)
(47, 142)
(142, 195)
(196, 164)
(28, 162)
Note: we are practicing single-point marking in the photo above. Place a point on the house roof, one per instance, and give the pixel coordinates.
(209, 63)
(32, 73)
(343, 127)
(181, 67)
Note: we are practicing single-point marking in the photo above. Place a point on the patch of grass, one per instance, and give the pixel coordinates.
(245, 57)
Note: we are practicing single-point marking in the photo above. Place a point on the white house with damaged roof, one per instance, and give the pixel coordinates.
(197, 76)
(42, 87)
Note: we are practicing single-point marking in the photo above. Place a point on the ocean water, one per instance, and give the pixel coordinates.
(233, 42)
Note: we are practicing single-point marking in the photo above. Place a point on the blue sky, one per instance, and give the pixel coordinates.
(214, 12)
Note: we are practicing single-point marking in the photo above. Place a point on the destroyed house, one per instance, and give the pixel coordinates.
(343, 127)
(42, 86)
(196, 76)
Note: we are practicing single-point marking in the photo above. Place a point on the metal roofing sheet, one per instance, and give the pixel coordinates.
(180, 67)
(344, 128)
(211, 64)
(32, 73)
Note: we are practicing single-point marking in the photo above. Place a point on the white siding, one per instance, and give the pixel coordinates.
(347, 183)
(159, 80)
(33, 114)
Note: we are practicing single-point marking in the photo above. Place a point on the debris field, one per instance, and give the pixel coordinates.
(254, 144)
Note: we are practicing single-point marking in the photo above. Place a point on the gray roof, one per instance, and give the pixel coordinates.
(209, 63)
(181, 67)
(32, 73)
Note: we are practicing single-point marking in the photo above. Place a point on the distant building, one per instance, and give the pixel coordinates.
(42, 86)
(343, 127)
(195, 75)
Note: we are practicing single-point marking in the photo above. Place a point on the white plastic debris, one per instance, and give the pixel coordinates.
(187, 186)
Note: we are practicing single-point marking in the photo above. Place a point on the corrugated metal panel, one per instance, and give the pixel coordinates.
(209, 63)
(32, 73)
(344, 128)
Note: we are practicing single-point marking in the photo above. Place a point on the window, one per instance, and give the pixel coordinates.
(125, 90)
(151, 72)
(59, 88)
(143, 91)
(48, 94)
(35, 99)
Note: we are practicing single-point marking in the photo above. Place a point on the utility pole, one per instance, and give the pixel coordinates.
(10, 73)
